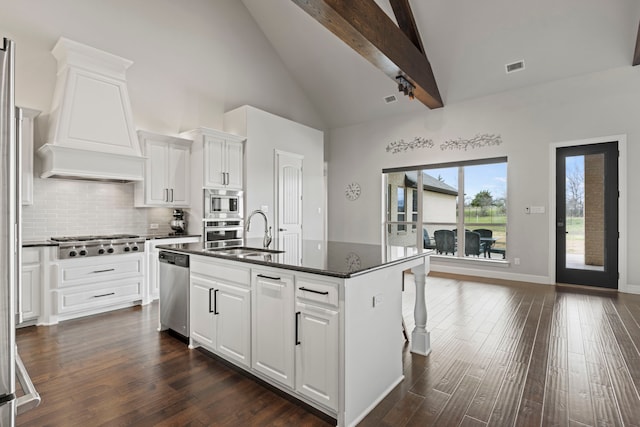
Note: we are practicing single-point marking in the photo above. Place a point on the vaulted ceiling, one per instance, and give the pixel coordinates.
(468, 43)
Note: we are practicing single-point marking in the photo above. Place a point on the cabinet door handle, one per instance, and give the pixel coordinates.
(314, 291)
(215, 302)
(104, 295)
(172, 194)
(104, 271)
(166, 194)
(298, 328)
(210, 309)
(268, 277)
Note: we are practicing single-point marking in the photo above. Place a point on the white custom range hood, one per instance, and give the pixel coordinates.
(91, 131)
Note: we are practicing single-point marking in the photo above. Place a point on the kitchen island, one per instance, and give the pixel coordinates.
(324, 324)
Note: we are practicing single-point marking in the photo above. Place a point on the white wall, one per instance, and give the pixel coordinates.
(266, 133)
(529, 120)
(192, 61)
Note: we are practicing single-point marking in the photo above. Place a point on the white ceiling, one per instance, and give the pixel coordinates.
(468, 43)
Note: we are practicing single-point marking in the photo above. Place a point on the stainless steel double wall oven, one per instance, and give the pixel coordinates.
(223, 222)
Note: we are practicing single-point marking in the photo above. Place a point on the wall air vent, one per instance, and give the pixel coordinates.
(389, 99)
(515, 66)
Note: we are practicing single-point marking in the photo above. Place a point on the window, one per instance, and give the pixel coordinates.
(402, 208)
(465, 202)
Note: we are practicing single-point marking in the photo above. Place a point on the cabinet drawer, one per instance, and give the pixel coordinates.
(225, 272)
(87, 297)
(83, 271)
(30, 256)
(317, 291)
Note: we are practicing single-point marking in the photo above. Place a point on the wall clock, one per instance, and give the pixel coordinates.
(352, 192)
(353, 261)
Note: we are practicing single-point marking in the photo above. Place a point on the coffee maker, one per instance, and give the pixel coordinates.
(178, 224)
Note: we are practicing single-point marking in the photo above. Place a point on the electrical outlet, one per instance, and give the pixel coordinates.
(516, 261)
(153, 226)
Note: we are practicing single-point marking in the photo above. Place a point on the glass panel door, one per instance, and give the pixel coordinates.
(587, 215)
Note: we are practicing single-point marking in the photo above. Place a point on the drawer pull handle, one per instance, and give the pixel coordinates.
(215, 302)
(268, 277)
(104, 271)
(314, 291)
(104, 295)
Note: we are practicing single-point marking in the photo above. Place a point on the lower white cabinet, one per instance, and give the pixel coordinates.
(94, 285)
(287, 323)
(220, 310)
(273, 325)
(31, 284)
(317, 353)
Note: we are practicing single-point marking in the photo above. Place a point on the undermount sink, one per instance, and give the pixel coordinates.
(244, 252)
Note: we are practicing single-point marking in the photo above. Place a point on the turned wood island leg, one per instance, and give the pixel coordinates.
(420, 341)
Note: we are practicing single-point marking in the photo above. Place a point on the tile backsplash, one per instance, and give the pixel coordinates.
(72, 208)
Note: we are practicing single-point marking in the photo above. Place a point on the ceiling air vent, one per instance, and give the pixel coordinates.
(515, 66)
(389, 99)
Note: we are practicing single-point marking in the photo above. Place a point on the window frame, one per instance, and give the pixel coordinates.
(460, 210)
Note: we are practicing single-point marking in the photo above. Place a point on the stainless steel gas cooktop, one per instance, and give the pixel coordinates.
(99, 245)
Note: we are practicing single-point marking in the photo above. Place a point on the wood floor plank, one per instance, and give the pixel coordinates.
(456, 407)
(555, 409)
(530, 411)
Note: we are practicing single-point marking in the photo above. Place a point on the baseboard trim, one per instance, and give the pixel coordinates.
(492, 275)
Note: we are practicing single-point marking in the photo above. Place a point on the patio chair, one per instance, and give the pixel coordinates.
(485, 246)
(426, 240)
(445, 241)
(471, 243)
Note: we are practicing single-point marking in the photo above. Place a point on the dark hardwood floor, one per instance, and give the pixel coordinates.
(503, 355)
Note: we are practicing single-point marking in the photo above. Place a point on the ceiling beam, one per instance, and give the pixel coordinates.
(636, 54)
(369, 31)
(406, 22)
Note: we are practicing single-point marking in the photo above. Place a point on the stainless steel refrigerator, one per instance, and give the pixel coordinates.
(12, 402)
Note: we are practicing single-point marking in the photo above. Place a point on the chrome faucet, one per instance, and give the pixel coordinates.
(266, 241)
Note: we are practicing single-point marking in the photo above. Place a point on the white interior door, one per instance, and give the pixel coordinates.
(289, 205)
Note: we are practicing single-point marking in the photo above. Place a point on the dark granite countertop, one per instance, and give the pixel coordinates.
(337, 259)
(35, 243)
(167, 236)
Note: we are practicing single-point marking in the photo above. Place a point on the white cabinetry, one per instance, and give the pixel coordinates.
(88, 286)
(153, 266)
(217, 161)
(220, 309)
(223, 162)
(167, 171)
(317, 334)
(26, 133)
(273, 325)
(31, 284)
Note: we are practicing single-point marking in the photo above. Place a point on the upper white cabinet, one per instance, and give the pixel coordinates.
(217, 161)
(26, 141)
(167, 171)
(223, 163)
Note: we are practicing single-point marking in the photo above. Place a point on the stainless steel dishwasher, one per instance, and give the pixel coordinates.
(174, 292)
